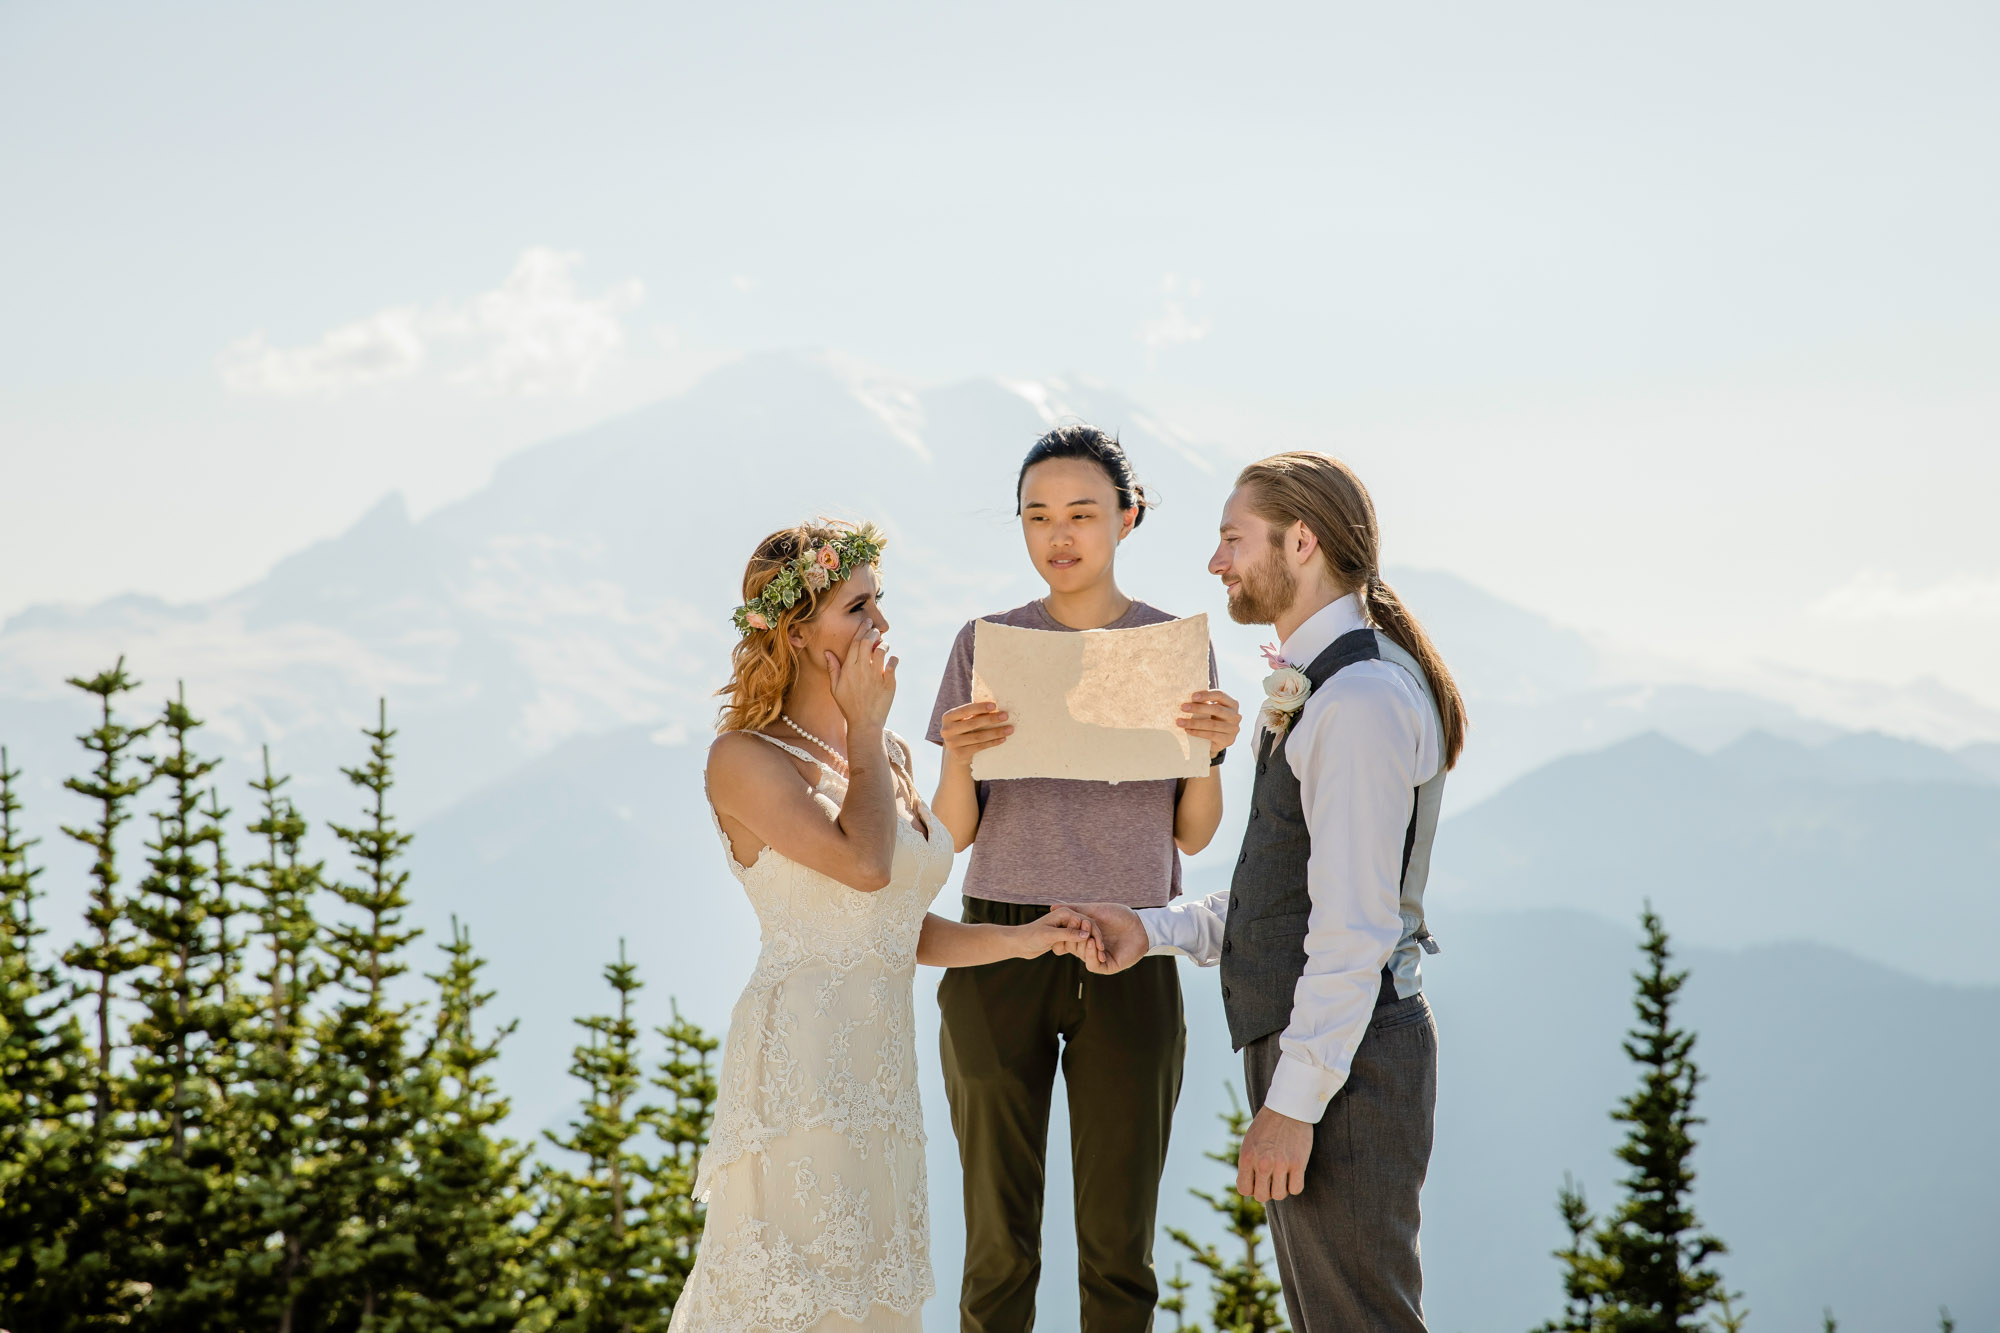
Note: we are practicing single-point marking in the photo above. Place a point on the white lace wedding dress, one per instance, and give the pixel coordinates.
(818, 1216)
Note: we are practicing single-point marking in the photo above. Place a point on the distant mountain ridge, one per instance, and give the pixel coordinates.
(582, 589)
(1885, 848)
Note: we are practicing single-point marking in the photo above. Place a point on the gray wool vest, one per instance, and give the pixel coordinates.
(1264, 936)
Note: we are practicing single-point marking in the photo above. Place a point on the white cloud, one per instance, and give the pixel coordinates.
(1876, 596)
(535, 333)
(387, 345)
(1173, 325)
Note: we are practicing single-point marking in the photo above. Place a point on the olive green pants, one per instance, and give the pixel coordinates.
(1119, 1041)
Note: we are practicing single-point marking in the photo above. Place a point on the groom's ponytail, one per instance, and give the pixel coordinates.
(1323, 493)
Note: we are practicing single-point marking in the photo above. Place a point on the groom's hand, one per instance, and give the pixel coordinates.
(1121, 937)
(1272, 1163)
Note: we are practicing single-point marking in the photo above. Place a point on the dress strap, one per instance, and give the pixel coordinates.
(792, 750)
(899, 755)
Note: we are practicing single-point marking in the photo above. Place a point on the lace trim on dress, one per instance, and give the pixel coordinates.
(758, 1277)
(812, 923)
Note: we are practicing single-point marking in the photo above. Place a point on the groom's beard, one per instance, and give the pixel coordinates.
(1266, 589)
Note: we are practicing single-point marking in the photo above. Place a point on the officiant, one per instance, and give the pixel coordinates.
(1009, 1026)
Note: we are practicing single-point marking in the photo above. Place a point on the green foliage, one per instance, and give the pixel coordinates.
(45, 1142)
(623, 1231)
(364, 1048)
(1645, 1267)
(1244, 1297)
(102, 958)
(1176, 1304)
(181, 1047)
(230, 1105)
(469, 1201)
(687, 1077)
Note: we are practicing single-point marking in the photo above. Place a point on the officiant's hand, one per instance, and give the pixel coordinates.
(970, 728)
(1212, 716)
(1121, 937)
(1272, 1162)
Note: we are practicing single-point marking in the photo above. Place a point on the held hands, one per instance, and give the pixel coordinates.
(1118, 938)
(1062, 930)
(864, 679)
(1212, 716)
(1272, 1163)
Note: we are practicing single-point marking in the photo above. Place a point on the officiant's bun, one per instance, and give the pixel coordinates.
(1093, 445)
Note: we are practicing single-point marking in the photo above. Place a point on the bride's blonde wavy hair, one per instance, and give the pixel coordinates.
(764, 664)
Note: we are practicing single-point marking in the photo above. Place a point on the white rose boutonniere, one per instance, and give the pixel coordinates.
(1285, 692)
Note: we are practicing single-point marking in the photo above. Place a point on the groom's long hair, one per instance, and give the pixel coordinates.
(1323, 493)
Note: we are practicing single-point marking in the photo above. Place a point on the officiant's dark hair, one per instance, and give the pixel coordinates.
(1078, 440)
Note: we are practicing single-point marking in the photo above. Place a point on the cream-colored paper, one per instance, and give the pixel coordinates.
(1099, 705)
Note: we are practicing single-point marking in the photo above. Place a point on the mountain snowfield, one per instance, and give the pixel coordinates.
(550, 644)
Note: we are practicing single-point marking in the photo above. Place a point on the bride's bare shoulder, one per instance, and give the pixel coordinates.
(739, 751)
(738, 760)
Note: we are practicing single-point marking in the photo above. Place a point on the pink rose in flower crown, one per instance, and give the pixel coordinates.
(755, 620)
(827, 557)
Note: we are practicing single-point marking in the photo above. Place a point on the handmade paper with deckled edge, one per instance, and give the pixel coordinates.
(1095, 705)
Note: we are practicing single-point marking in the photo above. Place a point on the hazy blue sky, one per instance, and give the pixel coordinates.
(1677, 323)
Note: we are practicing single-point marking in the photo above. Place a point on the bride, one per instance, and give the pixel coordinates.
(814, 1171)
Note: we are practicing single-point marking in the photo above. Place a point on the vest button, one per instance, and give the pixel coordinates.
(1227, 945)
(1241, 859)
(1225, 992)
(1261, 769)
(1253, 812)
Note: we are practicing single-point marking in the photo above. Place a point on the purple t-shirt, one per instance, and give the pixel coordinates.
(1045, 840)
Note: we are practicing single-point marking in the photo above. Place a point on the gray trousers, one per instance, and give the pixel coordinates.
(1347, 1246)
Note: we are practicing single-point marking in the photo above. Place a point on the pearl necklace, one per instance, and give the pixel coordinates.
(839, 761)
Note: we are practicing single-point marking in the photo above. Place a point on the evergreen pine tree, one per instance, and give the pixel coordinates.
(1645, 1267)
(364, 1045)
(613, 1276)
(1583, 1271)
(468, 1201)
(89, 1272)
(1244, 1297)
(1177, 1304)
(45, 1135)
(674, 1215)
(103, 957)
(183, 1178)
(284, 1102)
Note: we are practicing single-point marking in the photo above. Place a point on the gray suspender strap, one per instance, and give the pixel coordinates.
(1430, 795)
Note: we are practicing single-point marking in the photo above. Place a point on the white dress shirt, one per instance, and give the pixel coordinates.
(1360, 747)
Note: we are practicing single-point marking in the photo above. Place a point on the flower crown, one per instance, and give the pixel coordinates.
(815, 569)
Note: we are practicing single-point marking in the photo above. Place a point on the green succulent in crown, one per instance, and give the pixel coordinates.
(814, 569)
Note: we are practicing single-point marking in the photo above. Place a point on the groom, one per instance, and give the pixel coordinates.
(1322, 929)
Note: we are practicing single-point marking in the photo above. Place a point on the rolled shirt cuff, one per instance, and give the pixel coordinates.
(1301, 1090)
(1156, 944)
